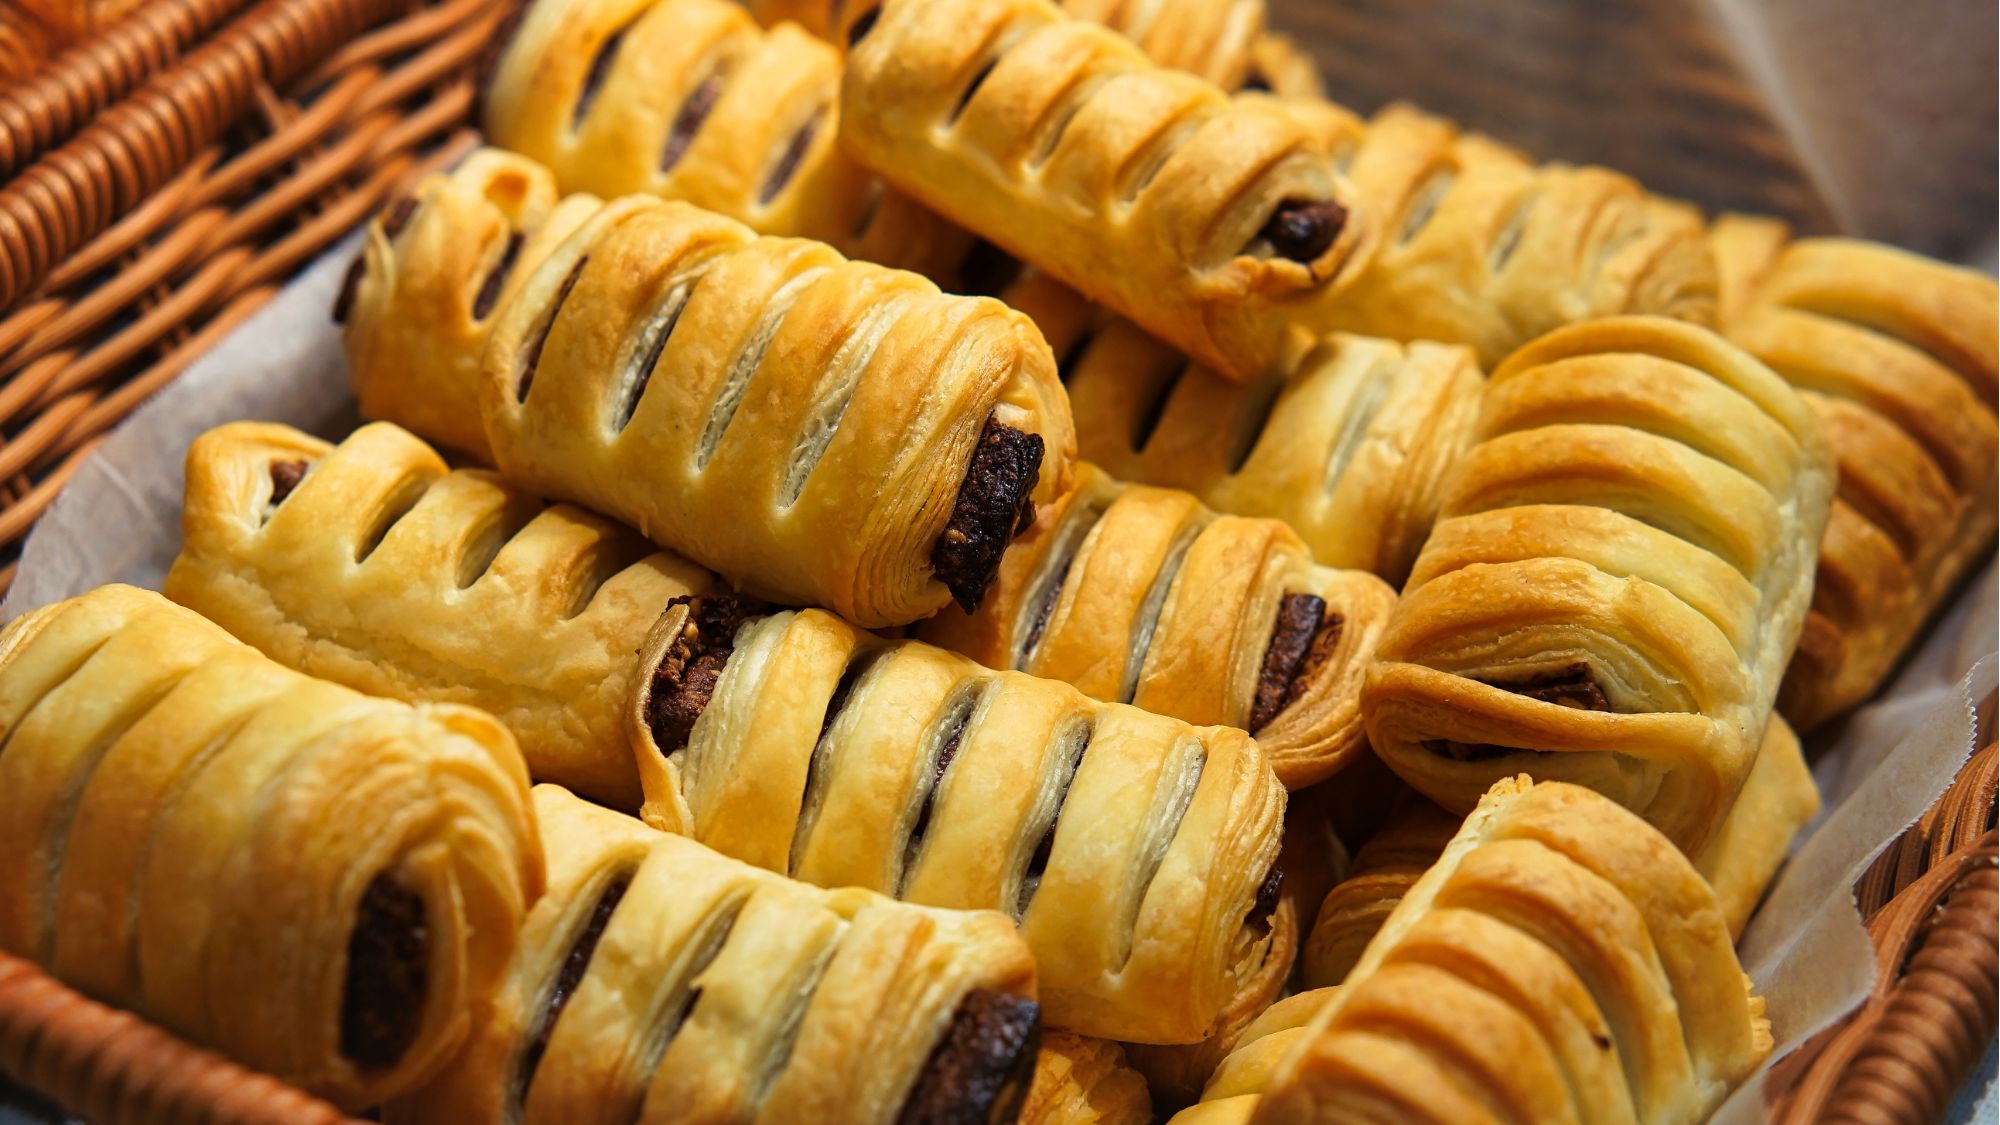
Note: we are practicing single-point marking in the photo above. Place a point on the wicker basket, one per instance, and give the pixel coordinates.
(167, 179)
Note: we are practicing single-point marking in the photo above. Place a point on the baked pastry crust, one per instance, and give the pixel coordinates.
(1896, 353)
(1383, 871)
(1619, 573)
(1084, 1081)
(1471, 243)
(658, 981)
(1279, 66)
(1209, 38)
(421, 299)
(381, 570)
(805, 424)
(1562, 961)
(1141, 595)
(1206, 220)
(318, 883)
(1131, 847)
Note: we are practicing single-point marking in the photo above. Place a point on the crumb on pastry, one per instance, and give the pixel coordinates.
(1302, 638)
(1303, 229)
(388, 975)
(685, 679)
(994, 504)
(983, 1064)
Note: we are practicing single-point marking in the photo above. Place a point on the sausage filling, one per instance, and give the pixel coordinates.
(285, 476)
(1302, 640)
(685, 679)
(994, 504)
(982, 1066)
(1570, 687)
(1303, 229)
(388, 975)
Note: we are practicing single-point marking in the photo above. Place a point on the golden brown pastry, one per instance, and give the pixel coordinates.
(1141, 595)
(1278, 65)
(1206, 220)
(369, 564)
(823, 431)
(1383, 871)
(1561, 962)
(660, 982)
(1239, 1082)
(1135, 850)
(1084, 1081)
(422, 297)
(1619, 572)
(1778, 800)
(318, 883)
(1896, 354)
(1471, 243)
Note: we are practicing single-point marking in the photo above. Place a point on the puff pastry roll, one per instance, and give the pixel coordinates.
(823, 431)
(1470, 243)
(1239, 1082)
(1084, 1081)
(1383, 871)
(320, 884)
(1135, 850)
(1206, 220)
(1278, 65)
(1620, 570)
(369, 564)
(1896, 354)
(1348, 440)
(660, 982)
(421, 298)
(1141, 595)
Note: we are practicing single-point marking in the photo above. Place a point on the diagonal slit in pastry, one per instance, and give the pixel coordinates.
(1173, 794)
(819, 766)
(585, 930)
(729, 396)
(837, 384)
(934, 759)
(1046, 816)
(1147, 620)
(1573, 686)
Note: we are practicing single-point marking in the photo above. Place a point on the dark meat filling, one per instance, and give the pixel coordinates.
(862, 25)
(1302, 229)
(343, 304)
(685, 679)
(788, 161)
(983, 1064)
(285, 476)
(593, 81)
(1570, 687)
(489, 290)
(688, 122)
(575, 963)
(1302, 638)
(994, 504)
(1265, 909)
(388, 975)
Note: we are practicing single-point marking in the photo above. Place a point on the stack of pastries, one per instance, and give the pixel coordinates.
(897, 545)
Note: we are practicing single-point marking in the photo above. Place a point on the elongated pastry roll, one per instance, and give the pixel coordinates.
(1136, 851)
(1204, 219)
(421, 299)
(369, 564)
(1084, 1081)
(1896, 354)
(660, 982)
(1561, 962)
(1471, 243)
(823, 431)
(1383, 871)
(321, 884)
(1620, 570)
(1142, 596)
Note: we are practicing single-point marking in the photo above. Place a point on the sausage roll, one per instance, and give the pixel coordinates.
(320, 884)
(1135, 850)
(1084, 1081)
(823, 431)
(1561, 962)
(1209, 221)
(660, 982)
(421, 298)
(369, 564)
(1896, 353)
(1620, 571)
(1471, 243)
(1142, 596)
(1383, 871)
(1239, 1082)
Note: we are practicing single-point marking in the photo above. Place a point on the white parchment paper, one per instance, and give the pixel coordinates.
(119, 521)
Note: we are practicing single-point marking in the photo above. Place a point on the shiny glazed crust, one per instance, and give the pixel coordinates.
(195, 833)
(433, 272)
(382, 571)
(1141, 595)
(1084, 1081)
(798, 421)
(1561, 962)
(710, 991)
(1618, 575)
(1144, 187)
(1896, 353)
(818, 754)
(1470, 243)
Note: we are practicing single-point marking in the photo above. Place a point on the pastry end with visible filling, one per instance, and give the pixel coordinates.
(685, 678)
(1572, 687)
(994, 504)
(1302, 640)
(388, 975)
(984, 1062)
